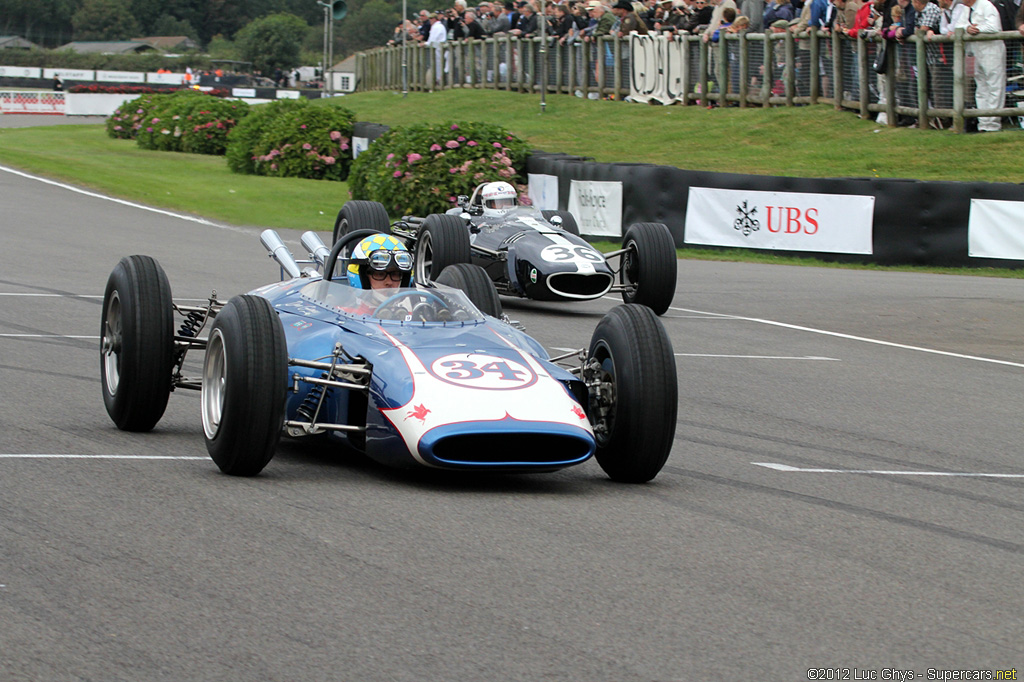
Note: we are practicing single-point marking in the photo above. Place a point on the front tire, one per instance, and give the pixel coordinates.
(137, 347)
(245, 384)
(478, 287)
(361, 215)
(443, 240)
(634, 393)
(648, 267)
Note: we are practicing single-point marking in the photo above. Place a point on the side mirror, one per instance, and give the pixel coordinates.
(555, 220)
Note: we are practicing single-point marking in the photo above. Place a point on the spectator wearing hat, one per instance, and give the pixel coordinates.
(527, 24)
(603, 19)
(629, 20)
(716, 18)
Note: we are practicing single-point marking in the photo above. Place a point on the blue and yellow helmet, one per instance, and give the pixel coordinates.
(380, 253)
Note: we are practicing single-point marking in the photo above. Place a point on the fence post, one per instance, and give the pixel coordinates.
(959, 81)
(768, 66)
(702, 73)
(789, 71)
(813, 72)
(744, 67)
(685, 81)
(923, 77)
(722, 72)
(838, 82)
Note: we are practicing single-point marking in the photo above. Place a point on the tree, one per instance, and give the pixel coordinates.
(167, 25)
(371, 25)
(104, 20)
(272, 42)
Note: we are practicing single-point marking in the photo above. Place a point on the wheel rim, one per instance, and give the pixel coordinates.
(214, 384)
(630, 265)
(424, 258)
(111, 345)
(602, 395)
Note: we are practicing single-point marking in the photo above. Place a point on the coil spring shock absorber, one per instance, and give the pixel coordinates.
(191, 325)
(310, 407)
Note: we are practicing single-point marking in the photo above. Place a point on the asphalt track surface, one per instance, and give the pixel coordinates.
(844, 491)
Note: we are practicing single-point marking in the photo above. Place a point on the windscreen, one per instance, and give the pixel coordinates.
(440, 304)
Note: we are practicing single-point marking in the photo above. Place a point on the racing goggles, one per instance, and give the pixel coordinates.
(383, 260)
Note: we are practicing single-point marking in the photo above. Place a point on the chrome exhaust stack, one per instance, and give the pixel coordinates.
(315, 246)
(280, 253)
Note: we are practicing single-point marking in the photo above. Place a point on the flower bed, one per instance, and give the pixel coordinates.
(421, 169)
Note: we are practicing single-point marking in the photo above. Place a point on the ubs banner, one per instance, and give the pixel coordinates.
(784, 221)
(656, 69)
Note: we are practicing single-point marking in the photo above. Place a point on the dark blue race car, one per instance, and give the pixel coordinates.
(429, 375)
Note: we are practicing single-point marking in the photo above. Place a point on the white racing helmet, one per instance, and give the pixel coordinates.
(498, 198)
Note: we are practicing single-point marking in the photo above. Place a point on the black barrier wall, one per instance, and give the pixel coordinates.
(915, 222)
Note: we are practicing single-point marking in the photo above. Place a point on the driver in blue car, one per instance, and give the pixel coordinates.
(380, 262)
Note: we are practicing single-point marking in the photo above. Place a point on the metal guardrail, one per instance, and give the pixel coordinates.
(18, 102)
(929, 80)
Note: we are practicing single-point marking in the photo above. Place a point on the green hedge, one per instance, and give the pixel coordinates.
(421, 169)
(188, 121)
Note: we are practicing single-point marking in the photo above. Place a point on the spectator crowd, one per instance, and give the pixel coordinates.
(571, 21)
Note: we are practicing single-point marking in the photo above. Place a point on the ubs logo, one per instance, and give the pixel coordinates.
(746, 223)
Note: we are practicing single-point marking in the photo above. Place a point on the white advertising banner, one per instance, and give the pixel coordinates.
(597, 207)
(656, 69)
(995, 229)
(165, 78)
(70, 74)
(20, 72)
(288, 94)
(243, 92)
(543, 190)
(121, 76)
(785, 221)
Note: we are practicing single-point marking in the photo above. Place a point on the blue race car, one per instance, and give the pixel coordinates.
(430, 376)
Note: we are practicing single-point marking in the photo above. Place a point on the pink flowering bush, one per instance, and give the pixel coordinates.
(126, 121)
(299, 139)
(421, 169)
(189, 121)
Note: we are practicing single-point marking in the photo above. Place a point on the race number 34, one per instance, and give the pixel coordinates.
(475, 370)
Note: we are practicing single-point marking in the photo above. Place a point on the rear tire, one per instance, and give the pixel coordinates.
(478, 287)
(245, 384)
(568, 220)
(649, 266)
(443, 240)
(137, 346)
(361, 215)
(633, 405)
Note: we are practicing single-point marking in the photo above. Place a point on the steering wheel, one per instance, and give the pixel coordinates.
(422, 310)
(342, 242)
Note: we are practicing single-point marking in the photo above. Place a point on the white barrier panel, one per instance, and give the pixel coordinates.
(543, 190)
(38, 102)
(597, 207)
(786, 221)
(21, 72)
(70, 74)
(288, 94)
(94, 104)
(656, 69)
(165, 78)
(994, 229)
(243, 92)
(121, 76)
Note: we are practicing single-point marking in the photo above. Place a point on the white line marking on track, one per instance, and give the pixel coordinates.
(54, 295)
(757, 357)
(851, 337)
(132, 204)
(800, 470)
(55, 456)
(46, 336)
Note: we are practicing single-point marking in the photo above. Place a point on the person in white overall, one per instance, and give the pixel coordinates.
(989, 60)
